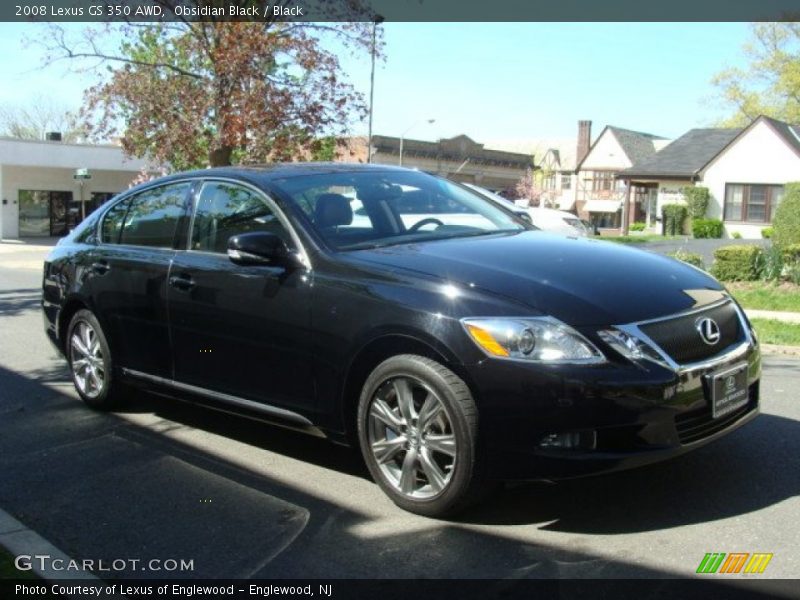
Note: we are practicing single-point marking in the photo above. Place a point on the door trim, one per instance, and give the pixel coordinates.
(267, 409)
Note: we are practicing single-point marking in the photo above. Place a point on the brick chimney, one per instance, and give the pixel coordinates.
(584, 140)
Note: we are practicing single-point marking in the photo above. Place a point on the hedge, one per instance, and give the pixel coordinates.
(688, 257)
(791, 253)
(737, 263)
(786, 222)
(638, 226)
(673, 216)
(696, 200)
(766, 233)
(707, 228)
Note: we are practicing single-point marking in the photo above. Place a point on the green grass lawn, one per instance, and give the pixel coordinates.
(641, 239)
(777, 332)
(766, 296)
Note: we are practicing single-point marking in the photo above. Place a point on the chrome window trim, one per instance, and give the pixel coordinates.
(268, 200)
(727, 354)
(121, 197)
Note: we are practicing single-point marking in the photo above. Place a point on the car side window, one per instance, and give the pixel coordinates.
(226, 209)
(112, 222)
(153, 216)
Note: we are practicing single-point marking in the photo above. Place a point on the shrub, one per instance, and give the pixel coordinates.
(688, 257)
(786, 222)
(770, 263)
(791, 253)
(696, 201)
(707, 228)
(766, 233)
(736, 235)
(793, 274)
(638, 226)
(737, 263)
(673, 216)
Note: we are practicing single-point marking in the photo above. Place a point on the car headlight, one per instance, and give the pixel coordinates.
(535, 339)
(630, 346)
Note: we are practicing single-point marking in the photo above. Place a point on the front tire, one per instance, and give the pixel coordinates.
(90, 362)
(418, 429)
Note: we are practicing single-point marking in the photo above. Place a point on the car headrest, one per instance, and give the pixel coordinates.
(332, 210)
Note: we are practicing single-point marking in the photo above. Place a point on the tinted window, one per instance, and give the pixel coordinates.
(369, 208)
(153, 216)
(225, 210)
(112, 223)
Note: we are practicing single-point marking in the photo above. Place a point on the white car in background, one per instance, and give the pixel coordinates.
(548, 219)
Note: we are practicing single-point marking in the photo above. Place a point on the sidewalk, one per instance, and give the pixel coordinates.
(775, 315)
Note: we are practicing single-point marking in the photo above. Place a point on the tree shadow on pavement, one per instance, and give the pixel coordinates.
(13, 302)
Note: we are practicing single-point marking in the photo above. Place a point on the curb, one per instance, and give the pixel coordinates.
(21, 540)
(776, 350)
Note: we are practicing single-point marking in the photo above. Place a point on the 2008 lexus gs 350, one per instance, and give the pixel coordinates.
(451, 341)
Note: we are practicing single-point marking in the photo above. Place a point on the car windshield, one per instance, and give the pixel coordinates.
(367, 209)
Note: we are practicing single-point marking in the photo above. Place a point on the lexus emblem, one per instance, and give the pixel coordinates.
(708, 330)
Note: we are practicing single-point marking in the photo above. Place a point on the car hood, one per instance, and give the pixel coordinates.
(580, 281)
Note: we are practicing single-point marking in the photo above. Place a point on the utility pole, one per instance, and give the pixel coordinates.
(376, 21)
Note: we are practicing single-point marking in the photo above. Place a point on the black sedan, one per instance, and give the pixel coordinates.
(452, 342)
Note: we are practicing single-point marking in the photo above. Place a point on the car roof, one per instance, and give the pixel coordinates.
(264, 173)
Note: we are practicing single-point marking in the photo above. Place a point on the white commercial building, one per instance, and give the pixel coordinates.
(39, 192)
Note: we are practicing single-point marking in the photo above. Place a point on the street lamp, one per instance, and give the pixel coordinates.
(403, 135)
(375, 22)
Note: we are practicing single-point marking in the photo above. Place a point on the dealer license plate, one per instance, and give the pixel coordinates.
(728, 390)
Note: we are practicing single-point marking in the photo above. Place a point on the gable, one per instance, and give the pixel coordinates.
(606, 154)
(759, 155)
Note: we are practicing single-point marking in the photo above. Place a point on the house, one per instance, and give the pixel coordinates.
(556, 160)
(744, 169)
(459, 158)
(599, 193)
(41, 195)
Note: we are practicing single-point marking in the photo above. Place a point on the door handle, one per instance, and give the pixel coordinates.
(101, 267)
(181, 282)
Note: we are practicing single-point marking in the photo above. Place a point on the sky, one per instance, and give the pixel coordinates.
(498, 83)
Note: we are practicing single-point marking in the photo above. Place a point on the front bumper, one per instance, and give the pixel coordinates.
(630, 415)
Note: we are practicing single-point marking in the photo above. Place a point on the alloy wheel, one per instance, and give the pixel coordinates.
(86, 359)
(411, 437)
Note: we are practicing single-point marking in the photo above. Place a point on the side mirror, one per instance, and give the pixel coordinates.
(523, 214)
(259, 248)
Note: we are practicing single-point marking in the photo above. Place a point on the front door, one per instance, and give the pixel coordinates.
(236, 330)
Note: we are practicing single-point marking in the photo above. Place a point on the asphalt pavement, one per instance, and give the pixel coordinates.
(164, 480)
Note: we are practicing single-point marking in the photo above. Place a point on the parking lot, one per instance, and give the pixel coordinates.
(164, 480)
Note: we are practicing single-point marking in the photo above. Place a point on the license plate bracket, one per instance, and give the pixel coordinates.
(728, 390)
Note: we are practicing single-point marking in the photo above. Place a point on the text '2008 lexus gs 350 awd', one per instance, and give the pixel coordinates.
(449, 339)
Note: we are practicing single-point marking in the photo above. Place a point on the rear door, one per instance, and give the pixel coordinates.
(128, 272)
(242, 331)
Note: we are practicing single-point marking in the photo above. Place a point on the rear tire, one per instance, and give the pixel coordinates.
(418, 431)
(90, 362)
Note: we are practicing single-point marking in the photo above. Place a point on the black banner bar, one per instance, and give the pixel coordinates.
(417, 589)
(398, 10)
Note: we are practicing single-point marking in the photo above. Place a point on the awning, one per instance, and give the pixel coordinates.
(602, 206)
(566, 203)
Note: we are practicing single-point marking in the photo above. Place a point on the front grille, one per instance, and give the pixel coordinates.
(680, 339)
(698, 424)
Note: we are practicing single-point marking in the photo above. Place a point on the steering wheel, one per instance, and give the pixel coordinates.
(423, 222)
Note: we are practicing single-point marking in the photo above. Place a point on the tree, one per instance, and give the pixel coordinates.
(39, 115)
(770, 85)
(194, 94)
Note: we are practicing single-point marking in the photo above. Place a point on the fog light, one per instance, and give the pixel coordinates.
(574, 440)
